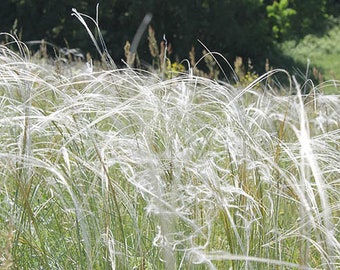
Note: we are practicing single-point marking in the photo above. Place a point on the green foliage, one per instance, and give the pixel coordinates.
(226, 26)
(322, 52)
(235, 28)
(280, 15)
(311, 17)
(245, 28)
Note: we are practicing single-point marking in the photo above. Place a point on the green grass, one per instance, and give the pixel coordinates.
(322, 52)
(119, 169)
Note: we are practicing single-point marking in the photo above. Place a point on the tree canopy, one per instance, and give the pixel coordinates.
(246, 28)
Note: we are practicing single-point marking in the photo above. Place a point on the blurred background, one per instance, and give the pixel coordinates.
(286, 32)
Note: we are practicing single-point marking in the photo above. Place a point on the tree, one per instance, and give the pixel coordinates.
(244, 28)
(311, 17)
(280, 16)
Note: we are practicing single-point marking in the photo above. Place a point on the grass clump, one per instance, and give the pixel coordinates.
(119, 169)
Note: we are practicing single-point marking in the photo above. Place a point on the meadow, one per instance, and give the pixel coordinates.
(121, 169)
(320, 53)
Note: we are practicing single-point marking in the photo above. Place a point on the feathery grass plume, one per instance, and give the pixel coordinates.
(153, 47)
(127, 53)
(211, 64)
(312, 175)
(119, 169)
(103, 51)
(194, 69)
(163, 56)
(245, 77)
(239, 67)
(161, 62)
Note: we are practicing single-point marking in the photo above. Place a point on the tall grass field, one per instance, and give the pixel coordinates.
(120, 169)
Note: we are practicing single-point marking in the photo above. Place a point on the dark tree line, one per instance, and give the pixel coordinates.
(247, 28)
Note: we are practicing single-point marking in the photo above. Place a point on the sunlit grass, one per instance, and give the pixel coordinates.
(318, 51)
(119, 169)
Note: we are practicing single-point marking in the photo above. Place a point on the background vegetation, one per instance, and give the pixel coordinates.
(246, 28)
